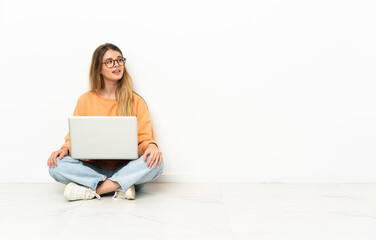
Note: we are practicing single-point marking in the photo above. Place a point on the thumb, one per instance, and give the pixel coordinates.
(61, 155)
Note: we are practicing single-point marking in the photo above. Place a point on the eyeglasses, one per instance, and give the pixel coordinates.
(110, 63)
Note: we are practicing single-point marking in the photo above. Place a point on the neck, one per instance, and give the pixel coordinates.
(109, 89)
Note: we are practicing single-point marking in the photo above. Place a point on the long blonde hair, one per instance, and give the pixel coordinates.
(124, 88)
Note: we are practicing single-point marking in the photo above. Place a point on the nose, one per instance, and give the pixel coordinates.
(116, 62)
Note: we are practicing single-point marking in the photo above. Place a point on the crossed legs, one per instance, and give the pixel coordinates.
(107, 186)
(86, 174)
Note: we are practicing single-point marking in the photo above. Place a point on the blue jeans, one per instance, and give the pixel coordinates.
(87, 174)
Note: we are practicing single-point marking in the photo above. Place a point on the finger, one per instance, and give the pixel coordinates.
(148, 163)
(150, 157)
(151, 160)
(49, 160)
(61, 155)
(151, 164)
(156, 163)
(160, 160)
(146, 155)
(53, 160)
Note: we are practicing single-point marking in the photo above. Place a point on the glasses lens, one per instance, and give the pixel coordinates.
(121, 61)
(109, 63)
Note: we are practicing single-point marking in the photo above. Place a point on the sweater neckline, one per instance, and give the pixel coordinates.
(105, 99)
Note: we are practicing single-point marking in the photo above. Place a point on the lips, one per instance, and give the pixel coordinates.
(116, 71)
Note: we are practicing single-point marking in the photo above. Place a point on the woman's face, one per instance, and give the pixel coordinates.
(116, 72)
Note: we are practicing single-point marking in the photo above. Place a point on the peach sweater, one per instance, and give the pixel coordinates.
(91, 104)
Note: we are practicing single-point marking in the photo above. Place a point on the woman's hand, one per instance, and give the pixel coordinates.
(59, 153)
(155, 155)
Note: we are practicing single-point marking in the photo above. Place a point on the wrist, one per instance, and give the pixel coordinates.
(66, 149)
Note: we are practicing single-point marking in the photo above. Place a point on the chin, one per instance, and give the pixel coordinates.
(118, 78)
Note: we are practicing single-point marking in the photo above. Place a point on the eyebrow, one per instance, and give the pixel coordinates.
(112, 59)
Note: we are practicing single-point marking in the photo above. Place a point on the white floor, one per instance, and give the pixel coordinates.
(193, 211)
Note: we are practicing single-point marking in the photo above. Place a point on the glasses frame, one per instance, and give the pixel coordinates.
(115, 60)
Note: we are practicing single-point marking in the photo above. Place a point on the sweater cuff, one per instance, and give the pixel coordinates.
(154, 143)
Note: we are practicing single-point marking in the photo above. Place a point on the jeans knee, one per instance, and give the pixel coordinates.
(161, 166)
(53, 172)
(157, 171)
(158, 167)
(53, 169)
(62, 166)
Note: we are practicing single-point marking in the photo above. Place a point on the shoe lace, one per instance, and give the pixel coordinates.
(91, 192)
(117, 194)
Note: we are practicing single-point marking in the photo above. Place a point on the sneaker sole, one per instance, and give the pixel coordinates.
(67, 189)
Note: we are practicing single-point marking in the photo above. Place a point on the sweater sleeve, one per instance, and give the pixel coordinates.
(145, 129)
(67, 137)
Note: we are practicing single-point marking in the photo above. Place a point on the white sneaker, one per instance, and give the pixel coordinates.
(130, 194)
(76, 192)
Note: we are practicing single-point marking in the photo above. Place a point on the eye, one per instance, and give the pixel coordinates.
(120, 60)
(109, 62)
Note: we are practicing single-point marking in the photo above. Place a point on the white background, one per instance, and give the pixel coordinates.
(248, 91)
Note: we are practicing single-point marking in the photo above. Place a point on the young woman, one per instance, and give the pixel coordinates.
(111, 94)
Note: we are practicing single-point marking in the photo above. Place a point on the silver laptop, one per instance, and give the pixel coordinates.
(103, 137)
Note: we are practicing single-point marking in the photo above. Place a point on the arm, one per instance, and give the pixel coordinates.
(147, 145)
(67, 137)
(64, 150)
(144, 127)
